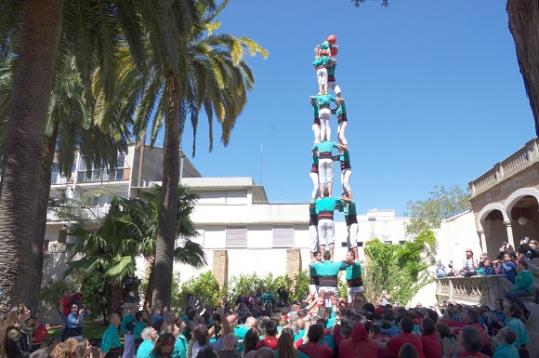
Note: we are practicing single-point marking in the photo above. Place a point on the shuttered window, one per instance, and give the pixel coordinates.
(236, 237)
(283, 237)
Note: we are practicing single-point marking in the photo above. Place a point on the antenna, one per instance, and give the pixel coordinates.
(260, 174)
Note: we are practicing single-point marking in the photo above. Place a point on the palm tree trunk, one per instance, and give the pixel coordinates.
(115, 298)
(166, 233)
(35, 269)
(150, 268)
(524, 26)
(41, 26)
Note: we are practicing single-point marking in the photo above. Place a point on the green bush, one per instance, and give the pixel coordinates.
(399, 269)
(204, 287)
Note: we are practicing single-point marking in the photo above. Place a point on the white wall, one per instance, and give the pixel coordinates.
(455, 236)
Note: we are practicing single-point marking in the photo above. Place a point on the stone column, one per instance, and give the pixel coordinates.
(509, 229)
(293, 262)
(482, 241)
(220, 266)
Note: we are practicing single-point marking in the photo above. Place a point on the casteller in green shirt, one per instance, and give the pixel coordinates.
(328, 204)
(110, 340)
(524, 280)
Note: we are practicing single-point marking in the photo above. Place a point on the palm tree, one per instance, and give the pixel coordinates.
(33, 77)
(190, 70)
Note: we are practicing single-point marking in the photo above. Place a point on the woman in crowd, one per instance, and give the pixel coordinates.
(15, 338)
(285, 345)
(164, 346)
(149, 336)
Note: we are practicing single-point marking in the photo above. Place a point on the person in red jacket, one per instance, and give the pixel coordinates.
(471, 342)
(430, 340)
(359, 345)
(270, 340)
(394, 344)
(313, 348)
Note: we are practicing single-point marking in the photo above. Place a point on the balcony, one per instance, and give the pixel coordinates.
(103, 175)
(63, 213)
(515, 163)
(472, 290)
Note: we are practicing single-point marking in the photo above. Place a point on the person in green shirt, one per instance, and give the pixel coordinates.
(327, 271)
(321, 63)
(149, 336)
(350, 216)
(325, 208)
(324, 152)
(514, 321)
(314, 177)
(110, 342)
(139, 326)
(181, 346)
(314, 281)
(505, 348)
(524, 286)
(313, 230)
(316, 122)
(326, 53)
(322, 104)
(342, 120)
(354, 280)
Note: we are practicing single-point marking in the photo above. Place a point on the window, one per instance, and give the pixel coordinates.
(283, 237)
(360, 244)
(236, 237)
(402, 242)
(389, 242)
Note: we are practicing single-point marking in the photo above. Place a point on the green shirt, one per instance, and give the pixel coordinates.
(240, 332)
(506, 351)
(145, 348)
(137, 331)
(327, 204)
(180, 347)
(110, 340)
(341, 110)
(524, 280)
(350, 209)
(324, 100)
(329, 268)
(324, 61)
(353, 272)
(126, 320)
(325, 146)
(520, 330)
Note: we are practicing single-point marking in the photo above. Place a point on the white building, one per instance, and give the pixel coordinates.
(232, 214)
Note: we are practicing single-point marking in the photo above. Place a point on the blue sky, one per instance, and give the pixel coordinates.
(433, 91)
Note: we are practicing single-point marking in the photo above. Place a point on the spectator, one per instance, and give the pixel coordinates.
(440, 269)
(181, 346)
(164, 346)
(110, 343)
(505, 348)
(229, 347)
(471, 341)
(313, 348)
(40, 332)
(514, 321)
(430, 341)
(73, 323)
(14, 339)
(486, 267)
(468, 265)
(508, 267)
(285, 345)
(65, 303)
(250, 342)
(472, 319)
(395, 344)
(140, 324)
(359, 345)
(529, 248)
(149, 336)
(270, 339)
(408, 351)
(524, 286)
(201, 341)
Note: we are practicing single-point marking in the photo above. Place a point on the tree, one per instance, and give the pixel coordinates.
(33, 77)
(441, 204)
(189, 70)
(401, 270)
(143, 217)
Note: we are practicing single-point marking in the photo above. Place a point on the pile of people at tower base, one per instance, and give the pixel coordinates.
(258, 325)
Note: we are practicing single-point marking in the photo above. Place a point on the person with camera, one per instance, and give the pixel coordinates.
(74, 321)
(529, 248)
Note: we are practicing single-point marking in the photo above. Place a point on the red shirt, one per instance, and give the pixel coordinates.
(66, 303)
(431, 346)
(364, 349)
(268, 341)
(316, 350)
(40, 334)
(394, 345)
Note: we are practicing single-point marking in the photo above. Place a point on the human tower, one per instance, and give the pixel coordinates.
(325, 152)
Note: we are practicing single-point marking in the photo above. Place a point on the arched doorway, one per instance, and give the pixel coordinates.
(524, 218)
(495, 231)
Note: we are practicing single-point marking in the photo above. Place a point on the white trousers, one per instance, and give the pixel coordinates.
(325, 171)
(335, 88)
(345, 180)
(325, 128)
(326, 232)
(340, 132)
(316, 133)
(352, 291)
(316, 185)
(314, 289)
(351, 237)
(313, 238)
(322, 77)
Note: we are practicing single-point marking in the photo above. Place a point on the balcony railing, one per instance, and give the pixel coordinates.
(86, 213)
(514, 164)
(472, 290)
(103, 175)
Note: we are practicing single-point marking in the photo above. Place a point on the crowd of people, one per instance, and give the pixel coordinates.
(258, 325)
